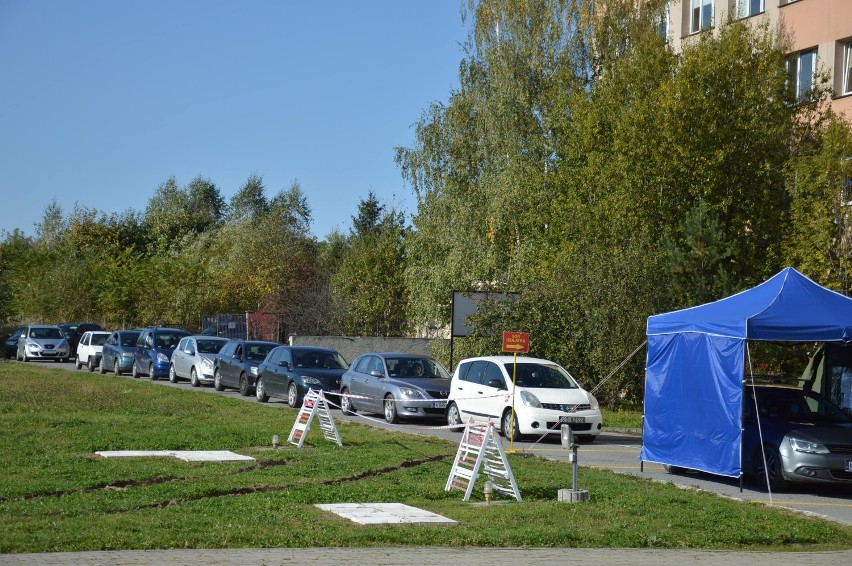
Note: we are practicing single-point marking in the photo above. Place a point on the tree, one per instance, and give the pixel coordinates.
(250, 201)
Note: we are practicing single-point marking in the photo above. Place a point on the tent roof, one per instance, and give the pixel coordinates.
(787, 307)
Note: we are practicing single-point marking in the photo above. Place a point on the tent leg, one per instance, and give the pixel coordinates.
(741, 483)
(641, 466)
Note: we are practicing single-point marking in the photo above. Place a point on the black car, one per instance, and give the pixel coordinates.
(288, 372)
(236, 364)
(10, 347)
(73, 331)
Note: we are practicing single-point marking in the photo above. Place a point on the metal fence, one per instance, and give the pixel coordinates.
(258, 325)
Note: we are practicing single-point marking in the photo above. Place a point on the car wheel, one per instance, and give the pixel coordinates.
(391, 415)
(244, 388)
(77, 363)
(771, 474)
(172, 375)
(293, 395)
(454, 417)
(133, 371)
(259, 392)
(116, 369)
(193, 378)
(346, 406)
(91, 363)
(102, 367)
(217, 381)
(151, 372)
(511, 433)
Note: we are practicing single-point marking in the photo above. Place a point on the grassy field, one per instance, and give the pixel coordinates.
(57, 495)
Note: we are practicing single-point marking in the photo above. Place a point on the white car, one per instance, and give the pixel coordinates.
(546, 397)
(194, 358)
(89, 349)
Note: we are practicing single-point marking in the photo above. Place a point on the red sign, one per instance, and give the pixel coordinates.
(516, 342)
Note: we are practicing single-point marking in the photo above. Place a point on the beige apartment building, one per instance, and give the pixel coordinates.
(821, 31)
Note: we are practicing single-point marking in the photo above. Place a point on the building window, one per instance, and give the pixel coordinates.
(847, 68)
(702, 15)
(663, 23)
(746, 8)
(801, 68)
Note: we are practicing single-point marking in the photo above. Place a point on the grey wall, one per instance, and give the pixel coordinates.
(353, 346)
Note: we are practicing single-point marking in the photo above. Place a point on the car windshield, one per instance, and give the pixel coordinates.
(257, 352)
(416, 367)
(99, 339)
(168, 339)
(544, 376)
(796, 405)
(128, 339)
(48, 333)
(209, 346)
(319, 359)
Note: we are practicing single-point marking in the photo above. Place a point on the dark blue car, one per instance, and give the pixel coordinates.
(10, 347)
(288, 372)
(154, 349)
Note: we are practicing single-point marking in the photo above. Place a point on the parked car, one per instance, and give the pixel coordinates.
(10, 348)
(546, 397)
(289, 371)
(73, 331)
(89, 349)
(118, 351)
(806, 438)
(236, 364)
(42, 341)
(154, 349)
(397, 385)
(193, 359)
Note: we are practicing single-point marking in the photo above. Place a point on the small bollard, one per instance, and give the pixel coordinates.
(488, 490)
(276, 442)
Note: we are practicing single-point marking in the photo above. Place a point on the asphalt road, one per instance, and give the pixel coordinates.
(613, 450)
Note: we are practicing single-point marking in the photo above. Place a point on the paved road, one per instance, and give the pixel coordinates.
(420, 555)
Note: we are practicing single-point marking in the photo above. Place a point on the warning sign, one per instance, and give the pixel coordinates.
(516, 342)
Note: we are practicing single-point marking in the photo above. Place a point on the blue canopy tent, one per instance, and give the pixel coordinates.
(696, 364)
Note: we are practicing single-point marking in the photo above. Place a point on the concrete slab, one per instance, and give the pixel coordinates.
(381, 513)
(185, 455)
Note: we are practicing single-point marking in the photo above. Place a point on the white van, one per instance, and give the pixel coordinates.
(545, 397)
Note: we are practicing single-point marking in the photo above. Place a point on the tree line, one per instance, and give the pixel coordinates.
(580, 162)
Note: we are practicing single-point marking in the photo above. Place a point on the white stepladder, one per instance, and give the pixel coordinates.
(480, 448)
(314, 404)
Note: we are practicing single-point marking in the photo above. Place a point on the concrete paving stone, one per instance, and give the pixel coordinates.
(380, 513)
(393, 556)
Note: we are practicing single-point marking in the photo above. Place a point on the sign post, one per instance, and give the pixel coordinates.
(514, 342)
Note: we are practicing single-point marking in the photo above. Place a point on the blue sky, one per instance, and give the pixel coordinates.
(102, 101)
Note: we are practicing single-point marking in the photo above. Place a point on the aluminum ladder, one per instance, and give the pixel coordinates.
(313, 405)
(480, 448)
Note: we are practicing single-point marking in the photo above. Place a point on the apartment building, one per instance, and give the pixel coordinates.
(821, 31)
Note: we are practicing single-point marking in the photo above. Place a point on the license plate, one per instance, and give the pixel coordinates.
(849, 465)
(570, 420)
(48, 353)
(439, 405)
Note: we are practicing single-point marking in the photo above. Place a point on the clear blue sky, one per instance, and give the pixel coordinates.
(102, 101)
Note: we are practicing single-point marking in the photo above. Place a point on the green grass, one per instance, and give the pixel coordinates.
(56, 495)
(623, 417)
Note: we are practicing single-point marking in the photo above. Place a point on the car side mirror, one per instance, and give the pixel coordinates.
(285, 364)
(377, 373)
(498, 384)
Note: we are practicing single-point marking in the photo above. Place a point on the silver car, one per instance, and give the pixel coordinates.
(193, 359)
(42, 342)
(400, 386)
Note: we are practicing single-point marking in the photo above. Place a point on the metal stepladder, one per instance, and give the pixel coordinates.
(313, 405)
(480, 448)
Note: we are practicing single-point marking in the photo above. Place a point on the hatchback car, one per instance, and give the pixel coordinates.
(806, 438)
(154, 349)
(193, 359)
(236, 364)
(288, 372)
(118, 350)
(89, 349)
(42, 342)
(545, 396)
(73, 331)
(11, 345)
(397, 385)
